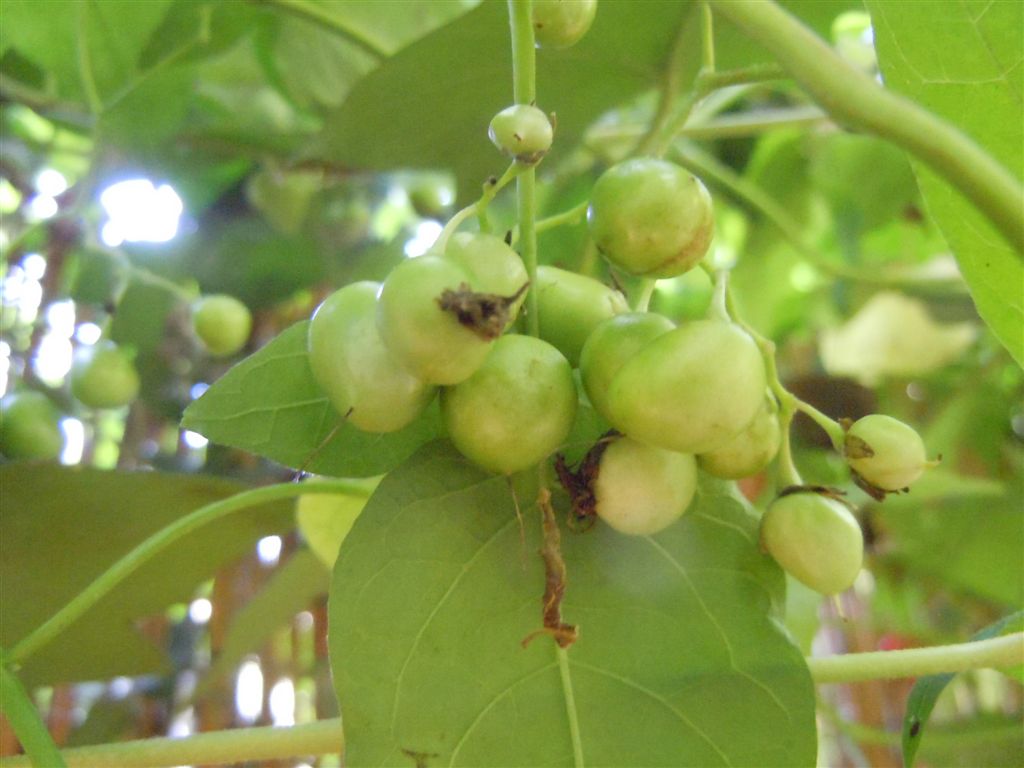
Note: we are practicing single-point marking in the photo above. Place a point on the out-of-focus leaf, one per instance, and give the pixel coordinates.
(292, 588)
(679, 660)
(422, 103)
(270, 405)
(115, 34)
(867, 181)
(973, 542)
(150, 113)
(325, 520)
(892, 335)
(927, 689)
(63, 527)
(962, 62)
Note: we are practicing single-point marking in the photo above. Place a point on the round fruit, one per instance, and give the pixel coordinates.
(516, 409)
(431, 197)
(561, 23)
(571, 306)
(815, 539)
(523, 132)
(749, 452)
(650, 217)
(885, 452)
(640, 489)
(610, 345)
(360, 376)
(493, 267)
(222, 323)
(430, 342)
(102, 376)
(690, 390)
(29, 426)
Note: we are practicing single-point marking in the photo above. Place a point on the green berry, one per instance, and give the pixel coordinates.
(561, 23)
(885, 452)
(29, 427)
(523, 132)
(650, 217)
(222, 322)
(102, 376)
(815, 538)
(571, 306)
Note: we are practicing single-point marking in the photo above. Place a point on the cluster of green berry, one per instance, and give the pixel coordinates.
(103, 376)
(677, 397)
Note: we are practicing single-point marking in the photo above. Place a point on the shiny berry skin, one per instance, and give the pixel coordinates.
(641, 490)
(885, 452)
(815, 539)
(571, 306)
(222, 322)
(516, 410)
(522, 132)
(561, 23)
(360, 376)
(650, 217)
(749, 452)
(611, 344)
(29, 427)
(690, 390)
(102, 376)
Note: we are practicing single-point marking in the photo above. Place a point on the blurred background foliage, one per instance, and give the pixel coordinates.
(277, 150)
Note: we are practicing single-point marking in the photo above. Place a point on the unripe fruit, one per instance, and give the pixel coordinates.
(516, 409)
(222, 322)
(102, 376)
(640, 489)
(690, 390)
(523, 132)
(561, 23)
(749, 452)
(29, 427)
(650, 217)
(885, 452)
(492, 266)
(571, 306)
(611, 344)
(815, 539)
(428, 341)
(360, 376)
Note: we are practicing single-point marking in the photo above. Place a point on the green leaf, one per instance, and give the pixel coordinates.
(62, 527)
(270, 405)
(680, 659)
(962, 61)
(113, 34)
(971, 540)
(292, 588)
(926, 690)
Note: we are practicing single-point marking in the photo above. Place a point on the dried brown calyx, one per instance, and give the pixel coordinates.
(486, 314)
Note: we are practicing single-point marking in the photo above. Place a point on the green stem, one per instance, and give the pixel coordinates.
(997, 653)
(707, 39)
(17, 707)
(92, 95)
(570, 707)
(524, 86)
(711, 80)
(334, 23)
(857, 100)
(478, 208)
(744, 124)
(643, 300)
(835, 432)
(669, 91)
(156, 543)
(242, 745)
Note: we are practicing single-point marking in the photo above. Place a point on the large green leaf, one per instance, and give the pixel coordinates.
(270, 405)
(962, 61)
(62, 527)
(679, 661)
